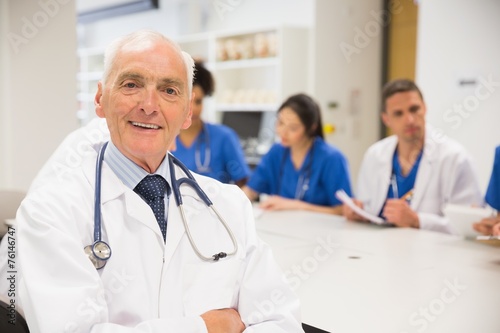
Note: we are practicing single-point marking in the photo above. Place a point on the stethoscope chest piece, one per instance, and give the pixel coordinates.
(99, 253)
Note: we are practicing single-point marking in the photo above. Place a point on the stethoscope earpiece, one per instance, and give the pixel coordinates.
(219, 255)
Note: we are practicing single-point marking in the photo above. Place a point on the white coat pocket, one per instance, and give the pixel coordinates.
(210, 285)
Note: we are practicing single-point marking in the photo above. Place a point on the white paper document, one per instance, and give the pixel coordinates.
(342, 196)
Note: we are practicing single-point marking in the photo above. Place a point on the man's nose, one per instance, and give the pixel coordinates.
(410, 118)
(150, 101)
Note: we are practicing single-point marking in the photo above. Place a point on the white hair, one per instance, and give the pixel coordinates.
(141, 39)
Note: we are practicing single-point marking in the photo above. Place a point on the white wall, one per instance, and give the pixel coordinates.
(165, 19)
(37, 104)
(458, 40)
(5, 152)
(347, 60)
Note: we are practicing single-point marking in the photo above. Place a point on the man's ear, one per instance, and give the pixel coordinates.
(97, 101)
(385, 118)
(187, 121)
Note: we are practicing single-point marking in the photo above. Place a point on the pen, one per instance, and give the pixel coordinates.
(394, 186)
(408, 196)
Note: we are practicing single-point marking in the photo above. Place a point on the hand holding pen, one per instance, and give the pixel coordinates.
(397, 210)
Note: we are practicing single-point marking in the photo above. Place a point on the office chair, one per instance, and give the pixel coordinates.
(9, 203)
(11, 320)
(312, 329)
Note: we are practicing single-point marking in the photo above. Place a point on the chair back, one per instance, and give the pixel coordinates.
(12, 321)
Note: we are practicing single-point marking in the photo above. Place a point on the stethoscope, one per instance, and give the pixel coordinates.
(99, 251)
(204, 137)
(304, 178)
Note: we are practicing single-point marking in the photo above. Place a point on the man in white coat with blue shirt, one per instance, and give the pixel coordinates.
(155, 279)
(408, 177)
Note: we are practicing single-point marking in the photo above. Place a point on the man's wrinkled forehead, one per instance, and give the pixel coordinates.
(139, 45)
(163, 51)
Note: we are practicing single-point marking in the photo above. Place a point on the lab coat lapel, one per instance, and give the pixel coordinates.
(175, 226)
(384, 171)
(139, 210)
(175, 229)
(112, 189)
(425, 169)
(135, 206)
(194, 210)
(111, 186)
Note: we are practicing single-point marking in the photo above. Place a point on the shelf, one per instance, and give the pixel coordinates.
(246, 63)
(247, 107)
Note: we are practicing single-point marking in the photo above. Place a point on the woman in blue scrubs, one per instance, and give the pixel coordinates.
(491, 225)
(209, 149)
(303, 171)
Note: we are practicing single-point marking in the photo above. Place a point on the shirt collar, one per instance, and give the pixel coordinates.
(129, 172)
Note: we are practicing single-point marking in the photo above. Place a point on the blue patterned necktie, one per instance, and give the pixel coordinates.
(152, 189)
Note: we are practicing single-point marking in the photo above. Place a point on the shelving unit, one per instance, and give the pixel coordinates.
(91, 62)
(254, 70)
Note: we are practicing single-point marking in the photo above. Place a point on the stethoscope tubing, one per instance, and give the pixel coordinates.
(100, 261)
(97, 195)
(100, 258)
(191, 182)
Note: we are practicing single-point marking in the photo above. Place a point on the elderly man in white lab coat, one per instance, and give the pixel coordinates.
(407, 178)
(153, 281)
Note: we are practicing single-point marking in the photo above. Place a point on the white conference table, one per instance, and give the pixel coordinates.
(357, 277)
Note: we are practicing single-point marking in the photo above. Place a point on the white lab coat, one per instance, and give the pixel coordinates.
(445, 175)
(66, 159)
(146, 286)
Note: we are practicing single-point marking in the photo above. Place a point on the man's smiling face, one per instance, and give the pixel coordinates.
(145, 101)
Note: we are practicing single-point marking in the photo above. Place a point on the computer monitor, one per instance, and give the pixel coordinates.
(245, 123)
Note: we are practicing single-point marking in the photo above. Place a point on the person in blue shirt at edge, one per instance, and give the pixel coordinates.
(303, 171)
(209, 149)
(491, 225)
(408, 178)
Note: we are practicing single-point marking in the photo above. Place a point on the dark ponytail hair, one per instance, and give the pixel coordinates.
(203, 78)
(308, 112)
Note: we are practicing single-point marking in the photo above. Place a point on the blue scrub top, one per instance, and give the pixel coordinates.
(227, 161)
(493, 192)
(325, 166)
(404, 184)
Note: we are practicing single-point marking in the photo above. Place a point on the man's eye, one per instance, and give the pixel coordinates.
(170, 91)
(130, 85)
